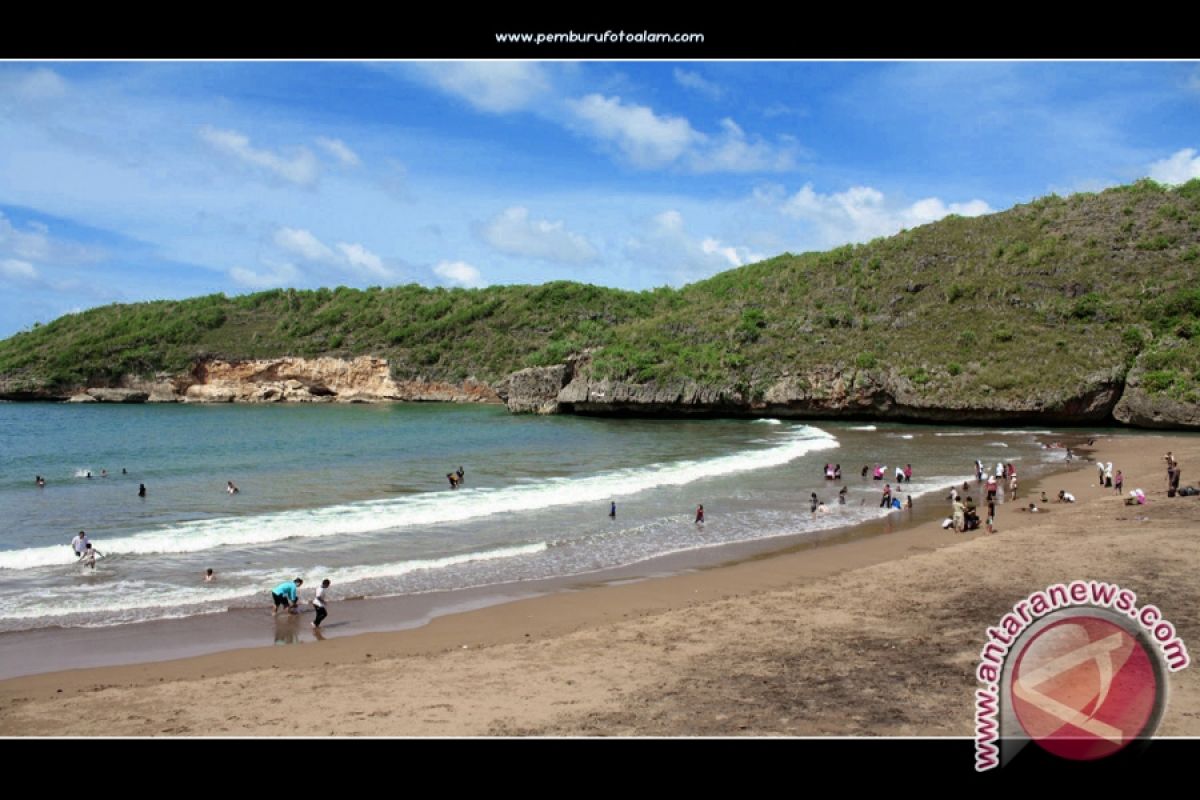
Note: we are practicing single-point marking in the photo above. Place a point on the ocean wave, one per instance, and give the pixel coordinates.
(121, 600)
(769, 421)
(430, 508)
(863, 428)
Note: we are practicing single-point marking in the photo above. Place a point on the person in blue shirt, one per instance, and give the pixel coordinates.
(285, 595)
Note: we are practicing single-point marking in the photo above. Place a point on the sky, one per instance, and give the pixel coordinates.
(128, 181)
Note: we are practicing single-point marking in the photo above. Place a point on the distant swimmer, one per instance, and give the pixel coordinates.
(612, 510)
(229, 487)
(453, 478)
(80, 543)
(39, 481)
(89, 475)
(88, 556)
(123, 472)
(699, 514)
(285, 595)
(209, 575)
(103, 473)
(141, 490)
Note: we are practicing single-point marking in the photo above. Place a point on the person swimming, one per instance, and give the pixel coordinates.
(229, 487)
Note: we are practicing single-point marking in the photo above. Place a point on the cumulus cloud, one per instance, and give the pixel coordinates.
(347, 257)
(494, 86)
(34, 243)
(302, 243)
(515, 233)
(732, 151)
(648, 140)
(339, 150)
(299, 166)
(459, 273)
(862, 213)
(697, 83)
(362, 260)
(16, 269)
(666, 244)
(1179, 168)
(277, 275)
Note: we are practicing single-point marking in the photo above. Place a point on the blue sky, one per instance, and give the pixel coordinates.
(147, 180)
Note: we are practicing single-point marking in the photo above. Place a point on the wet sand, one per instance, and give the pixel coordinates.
(877, 635)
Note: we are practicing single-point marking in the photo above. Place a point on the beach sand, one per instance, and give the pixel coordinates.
(875, 636)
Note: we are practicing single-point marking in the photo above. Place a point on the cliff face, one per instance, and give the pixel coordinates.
(827, 392)
(278, 380)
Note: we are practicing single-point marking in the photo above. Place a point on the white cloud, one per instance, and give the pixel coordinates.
(460, 273)
(649, 140)
(1179, 168)
(733, 151)
(697, 83)
(495, 86)
(646, 139)
(300, 166)
(300, 242)
(363, 260)
(278, 275)
(348, 257)
(665, 244)
(862, 213)
(13, 268)
(515, 233)
(34, 243)
(339, 150)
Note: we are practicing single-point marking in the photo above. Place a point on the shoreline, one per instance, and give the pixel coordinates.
(816, 553)
(503, 669)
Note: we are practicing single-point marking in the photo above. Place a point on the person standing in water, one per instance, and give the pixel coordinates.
(319, 604)
(229, 487)
(460, 473)
(141, 490)
(209, 575)
(79, 544)
(88, 557)
(699, 514)
(612, 510)
(450, 476)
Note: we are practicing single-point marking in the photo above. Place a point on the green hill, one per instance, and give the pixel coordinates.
(1036, 300)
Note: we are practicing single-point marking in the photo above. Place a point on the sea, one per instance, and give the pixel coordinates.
(358, 494)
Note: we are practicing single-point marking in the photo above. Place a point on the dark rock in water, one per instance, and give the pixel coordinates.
(119, 395)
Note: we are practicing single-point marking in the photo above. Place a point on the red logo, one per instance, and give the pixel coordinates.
(1084, 687)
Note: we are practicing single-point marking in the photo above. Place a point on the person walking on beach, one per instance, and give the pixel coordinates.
(1012, 486)
(612, 510)
(285, 595)
(1100, 473)
(1108, 475)
(1119, 481)
(80, 543)
(699, 514)
(887, 496)
(991, 517)
(319, 604)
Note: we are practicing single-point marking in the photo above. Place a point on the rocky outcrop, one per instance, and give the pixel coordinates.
(320, 380)
(118, 395)
(535, 390)
(1142, 409)
(823, 392)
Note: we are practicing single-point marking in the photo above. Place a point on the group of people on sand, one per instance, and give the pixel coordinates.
(287, 596)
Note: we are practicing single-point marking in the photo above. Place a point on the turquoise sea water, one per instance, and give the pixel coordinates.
(358, 494)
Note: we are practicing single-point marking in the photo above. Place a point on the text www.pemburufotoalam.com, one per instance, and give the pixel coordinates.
(607, 37)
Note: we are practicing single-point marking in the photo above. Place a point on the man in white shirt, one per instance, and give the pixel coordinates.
(79, 544)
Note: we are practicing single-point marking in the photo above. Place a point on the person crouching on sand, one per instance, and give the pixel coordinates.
(285, 595)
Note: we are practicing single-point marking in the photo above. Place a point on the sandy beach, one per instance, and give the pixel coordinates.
(877, 635)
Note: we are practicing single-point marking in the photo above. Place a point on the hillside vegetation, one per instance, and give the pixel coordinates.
(1037, 299)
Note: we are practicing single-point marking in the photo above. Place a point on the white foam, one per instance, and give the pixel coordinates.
(135, 595)
(996, 444)
(431, 507)
(769, 421)
(962, 433)
(864, 428)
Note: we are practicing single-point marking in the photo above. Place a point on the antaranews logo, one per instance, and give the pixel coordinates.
(1080, 669)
